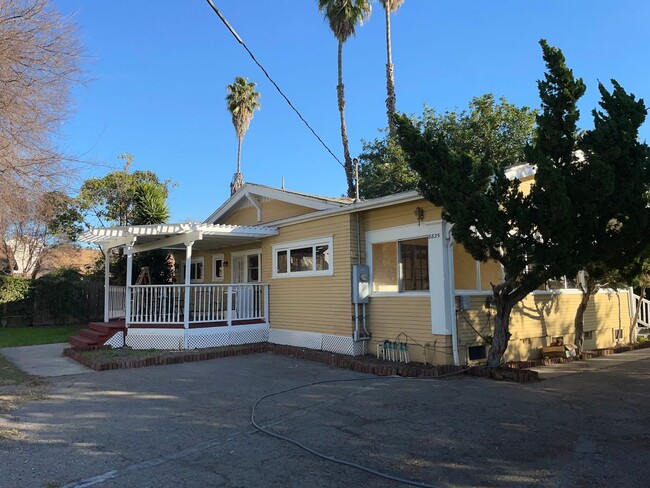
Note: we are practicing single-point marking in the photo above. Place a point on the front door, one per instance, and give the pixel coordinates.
(246, 269)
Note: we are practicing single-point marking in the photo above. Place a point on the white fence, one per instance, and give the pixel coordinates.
(116, 302)
(165, 304)
(644, 311)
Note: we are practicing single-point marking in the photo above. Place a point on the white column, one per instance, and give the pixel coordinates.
(439, 287)
(266, 304)
(107, 274)
(188, 279)
(129, 279)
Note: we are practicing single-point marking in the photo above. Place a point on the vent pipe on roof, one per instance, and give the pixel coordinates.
(282, 183)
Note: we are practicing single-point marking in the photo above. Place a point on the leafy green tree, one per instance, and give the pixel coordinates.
(343, 17)
(150, 204)
(528, 234)
(611, 197)
(242, 100)
(489, 129)
(390, 6)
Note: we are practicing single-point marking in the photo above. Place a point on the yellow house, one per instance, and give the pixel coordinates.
(337, 275)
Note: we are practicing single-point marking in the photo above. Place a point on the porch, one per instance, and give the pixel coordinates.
(209, 305)
(186, 315)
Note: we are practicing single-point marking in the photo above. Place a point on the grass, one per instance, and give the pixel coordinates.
(30, 336)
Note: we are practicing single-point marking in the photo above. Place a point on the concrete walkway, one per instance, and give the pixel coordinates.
(44, 360)
(590, 365)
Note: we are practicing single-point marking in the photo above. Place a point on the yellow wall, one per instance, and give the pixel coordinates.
(272, 210)
(540, 317)
(397, 215)
(319, 303)
(407, 319)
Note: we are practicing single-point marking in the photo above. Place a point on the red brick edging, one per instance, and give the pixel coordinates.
(359, 364)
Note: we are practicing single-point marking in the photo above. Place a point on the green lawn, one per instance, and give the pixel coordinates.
(29, 336)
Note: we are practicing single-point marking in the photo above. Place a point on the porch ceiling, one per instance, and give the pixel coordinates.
(175, 236)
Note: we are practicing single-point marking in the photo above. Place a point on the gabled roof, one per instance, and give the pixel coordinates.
(254, 193)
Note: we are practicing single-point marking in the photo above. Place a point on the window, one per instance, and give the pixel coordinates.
(401, 266)
(196, 270)
(305, 258)
(618, 334)
(589, 335)
(476, 353)
(217, 267)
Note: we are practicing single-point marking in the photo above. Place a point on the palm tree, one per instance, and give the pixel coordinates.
(242, 101)
(390, 6)
(343, 17)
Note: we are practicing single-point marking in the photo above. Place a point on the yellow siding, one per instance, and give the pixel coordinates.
(272, 210)
(397, 215)
(526, 183)
(315, 304)
(464, 269)
(541, 317)
(407, 319)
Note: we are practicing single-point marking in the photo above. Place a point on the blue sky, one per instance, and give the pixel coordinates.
(158, 71)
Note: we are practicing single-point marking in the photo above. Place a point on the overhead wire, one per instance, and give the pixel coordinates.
(250, 53)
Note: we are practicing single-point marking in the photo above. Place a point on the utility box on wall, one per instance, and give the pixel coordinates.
(360, 283)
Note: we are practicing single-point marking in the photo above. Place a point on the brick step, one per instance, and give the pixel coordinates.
(78, 341)
(93, 335)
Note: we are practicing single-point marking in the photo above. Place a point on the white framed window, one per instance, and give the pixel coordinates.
(217, 267)
(401, 266)
(312, 257)
(196, 270)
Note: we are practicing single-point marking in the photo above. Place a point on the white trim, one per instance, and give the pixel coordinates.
(215, 257)
(199, 259)
(520, 171)
(397, 234)
(288, 246)
(304, 200)
(245, 254)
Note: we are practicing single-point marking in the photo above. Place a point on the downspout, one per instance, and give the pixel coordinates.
(452, 293)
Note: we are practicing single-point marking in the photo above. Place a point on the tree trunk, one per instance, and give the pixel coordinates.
(505, 298)
(340, 91)
(239, 141)
(635, 319)
(579, 320)
(390, 78)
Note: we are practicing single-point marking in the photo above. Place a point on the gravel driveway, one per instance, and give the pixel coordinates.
(188, 425)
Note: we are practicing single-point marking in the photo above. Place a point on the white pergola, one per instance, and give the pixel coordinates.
(139, 238)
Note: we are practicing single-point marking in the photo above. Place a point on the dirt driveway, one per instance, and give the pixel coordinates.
(188, 425)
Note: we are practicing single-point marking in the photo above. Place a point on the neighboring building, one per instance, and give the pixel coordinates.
(277, 265)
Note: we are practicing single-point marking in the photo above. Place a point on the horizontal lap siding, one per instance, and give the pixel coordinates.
(540, 317)
(272, 210)
(388, 317)
(397, 215)
(313, 304)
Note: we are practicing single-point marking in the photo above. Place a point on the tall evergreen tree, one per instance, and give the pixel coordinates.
(242, 100)
(527, 234)
(611, 199)
(390, 6)
(343, 17)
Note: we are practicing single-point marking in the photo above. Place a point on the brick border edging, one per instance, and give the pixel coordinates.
(375, 367)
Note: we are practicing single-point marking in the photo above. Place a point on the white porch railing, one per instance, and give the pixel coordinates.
(116, 302)
(644, 310)
(165, 304)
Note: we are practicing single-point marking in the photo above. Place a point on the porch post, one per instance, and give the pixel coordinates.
(107, 274)
(266, 304)
(188, 279)
(129, 279)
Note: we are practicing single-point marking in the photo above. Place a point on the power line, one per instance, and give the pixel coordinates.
(240, 41)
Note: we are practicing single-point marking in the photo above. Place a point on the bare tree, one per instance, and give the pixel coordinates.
(39, 64)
